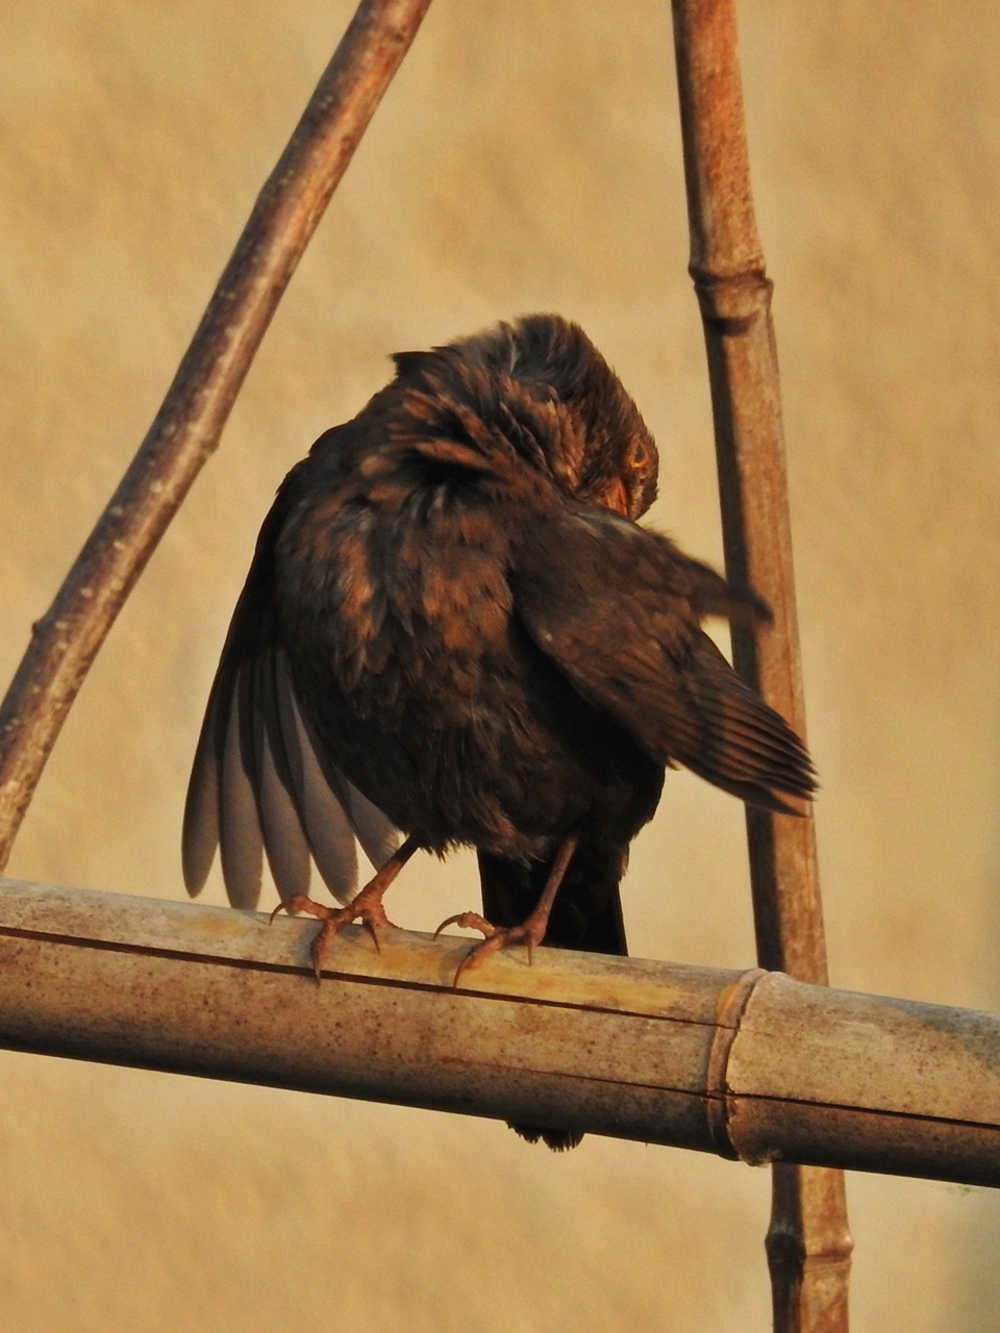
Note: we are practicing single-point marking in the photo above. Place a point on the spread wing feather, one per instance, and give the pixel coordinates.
(200, 835)
(287, 843)
(240, 841)
(321, 805)
(617, 607)
(261, 782)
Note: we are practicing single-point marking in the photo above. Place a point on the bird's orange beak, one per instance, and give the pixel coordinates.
(617, 497)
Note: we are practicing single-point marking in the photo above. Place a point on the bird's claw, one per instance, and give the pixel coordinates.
(528, 933)
(368, 910)
(300, 903)
(468, 921)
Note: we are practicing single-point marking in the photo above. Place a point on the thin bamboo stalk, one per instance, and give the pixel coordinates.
(749, 1065)
(187, 427)
(808, 1244)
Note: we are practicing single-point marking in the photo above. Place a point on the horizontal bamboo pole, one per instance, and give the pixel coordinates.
(752, 1065)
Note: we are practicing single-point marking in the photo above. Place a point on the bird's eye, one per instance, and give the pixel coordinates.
(640, 454)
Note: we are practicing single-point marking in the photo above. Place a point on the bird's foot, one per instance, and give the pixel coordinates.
(530, 932)
(366, 908)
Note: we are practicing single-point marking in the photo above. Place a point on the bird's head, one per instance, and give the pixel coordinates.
(543, 386)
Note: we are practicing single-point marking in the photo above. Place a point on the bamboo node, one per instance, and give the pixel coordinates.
(728, 1016)
(732, 302)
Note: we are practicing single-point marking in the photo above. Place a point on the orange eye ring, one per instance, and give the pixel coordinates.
(640, 455)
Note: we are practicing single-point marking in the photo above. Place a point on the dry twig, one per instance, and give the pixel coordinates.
(808, 1244)
(187, 428)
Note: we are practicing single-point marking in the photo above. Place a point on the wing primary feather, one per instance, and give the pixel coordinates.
(289, 748)
(200, 835)
(727, 734)
(284, 839)
(745, 740)
(750, 792)
(324, 819)
(376, 832)
(240, 836)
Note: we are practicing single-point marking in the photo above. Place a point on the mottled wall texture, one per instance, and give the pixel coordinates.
(527, 158)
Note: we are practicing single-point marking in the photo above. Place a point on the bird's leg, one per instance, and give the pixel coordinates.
(530, 932)
(366, 907)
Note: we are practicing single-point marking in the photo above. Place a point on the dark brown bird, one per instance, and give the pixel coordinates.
(454, 630)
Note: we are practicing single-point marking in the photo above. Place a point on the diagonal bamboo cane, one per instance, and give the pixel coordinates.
(187, 428)
(808, 1244)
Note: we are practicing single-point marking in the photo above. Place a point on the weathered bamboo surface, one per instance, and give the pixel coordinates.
(808, 1242)
(751, 1065)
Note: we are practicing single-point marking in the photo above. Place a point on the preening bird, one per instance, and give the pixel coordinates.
(454, 632)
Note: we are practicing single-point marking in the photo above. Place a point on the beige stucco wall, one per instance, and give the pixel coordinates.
(526, 159)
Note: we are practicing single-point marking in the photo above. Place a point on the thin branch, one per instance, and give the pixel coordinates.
(751, 1065)
(187, 428)
(808, 1244)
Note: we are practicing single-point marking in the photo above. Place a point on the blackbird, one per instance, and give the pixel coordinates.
(454, 632)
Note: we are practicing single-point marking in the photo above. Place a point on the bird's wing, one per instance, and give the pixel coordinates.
(262, 782)
(617, 608)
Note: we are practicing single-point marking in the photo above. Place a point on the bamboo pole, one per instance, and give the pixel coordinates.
(187, 427)
(808, 1243)
(750, 1065)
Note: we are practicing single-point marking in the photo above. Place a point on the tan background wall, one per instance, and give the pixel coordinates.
(526, 159)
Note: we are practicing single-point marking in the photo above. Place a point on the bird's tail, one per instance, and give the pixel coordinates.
(587, 915)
